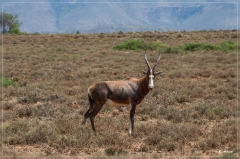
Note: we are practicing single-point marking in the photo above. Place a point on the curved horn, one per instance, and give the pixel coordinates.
(147, 61)
(157, 61)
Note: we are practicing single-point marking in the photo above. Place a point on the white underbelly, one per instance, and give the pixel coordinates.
(111, 103)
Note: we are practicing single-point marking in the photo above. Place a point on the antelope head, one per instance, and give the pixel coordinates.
(151, 73)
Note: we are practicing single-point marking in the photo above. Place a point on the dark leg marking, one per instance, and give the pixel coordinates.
(93, 113)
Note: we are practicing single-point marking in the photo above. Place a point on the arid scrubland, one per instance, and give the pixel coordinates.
(192, 111)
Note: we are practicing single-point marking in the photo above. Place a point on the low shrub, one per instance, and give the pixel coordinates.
(24, 131)
(198, 46)
(24, 111)
(115, 151)
(171, 136)
(225, 46)
(224, 133)
(172, 50)
(213, 111)
(16, 30)
(13, 133)
(43, 133)
(136, 44)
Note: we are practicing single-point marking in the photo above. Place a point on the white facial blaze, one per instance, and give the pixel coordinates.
(150, 81)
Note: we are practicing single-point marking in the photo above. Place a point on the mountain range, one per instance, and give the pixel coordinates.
(70, 16)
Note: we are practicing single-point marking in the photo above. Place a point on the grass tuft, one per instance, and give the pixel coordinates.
(8, 82)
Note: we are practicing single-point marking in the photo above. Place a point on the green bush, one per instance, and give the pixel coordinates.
(225, 46)
(198, 46)
(16, 30)
(7, 82)
(136, 44)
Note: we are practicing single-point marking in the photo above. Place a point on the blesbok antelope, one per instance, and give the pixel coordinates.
(118, 93)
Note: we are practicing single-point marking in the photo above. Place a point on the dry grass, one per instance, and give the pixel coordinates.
(190, 112)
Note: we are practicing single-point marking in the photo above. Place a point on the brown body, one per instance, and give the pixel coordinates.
(118, 93)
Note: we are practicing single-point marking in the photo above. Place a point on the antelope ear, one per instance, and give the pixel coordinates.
(158, 73)
(144, 72)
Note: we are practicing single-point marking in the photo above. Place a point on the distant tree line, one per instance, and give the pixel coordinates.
(10, 23)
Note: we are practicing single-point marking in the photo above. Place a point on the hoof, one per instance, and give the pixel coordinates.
(130, 133)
